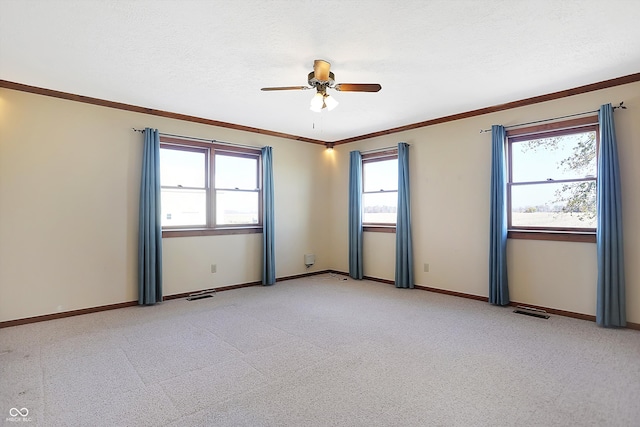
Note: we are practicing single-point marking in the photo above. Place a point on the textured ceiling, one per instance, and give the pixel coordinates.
(210, 58)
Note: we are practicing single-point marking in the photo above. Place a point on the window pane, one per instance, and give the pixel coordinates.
(558, 205)
(236, 207)
(236, 172)
(182, 168)
(379, 207)
(381, 175)
(183, 207)
(560, 157)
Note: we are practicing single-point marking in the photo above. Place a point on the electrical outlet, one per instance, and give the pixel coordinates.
(214, 268)
(426, 267)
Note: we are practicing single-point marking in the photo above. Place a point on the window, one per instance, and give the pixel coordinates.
(237, 194)
(380, 190)
(208, 188)
(552, 180)
(183, 178)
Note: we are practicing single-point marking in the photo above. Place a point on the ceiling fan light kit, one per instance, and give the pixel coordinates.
(322, 100)
(330, 102)
(317, 102)
(321, 79)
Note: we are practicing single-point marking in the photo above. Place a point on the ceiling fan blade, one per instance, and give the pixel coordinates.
(321, 70)
(358, 87)
(286, 88)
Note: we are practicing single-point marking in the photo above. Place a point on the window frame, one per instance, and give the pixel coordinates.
(378, 156)
(560, 128)
(210, 150)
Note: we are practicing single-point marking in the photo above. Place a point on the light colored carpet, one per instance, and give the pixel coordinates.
(320, 351)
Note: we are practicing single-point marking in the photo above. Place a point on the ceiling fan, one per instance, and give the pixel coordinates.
(322, 79)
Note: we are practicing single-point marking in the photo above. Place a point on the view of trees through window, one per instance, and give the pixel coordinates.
(553, 181)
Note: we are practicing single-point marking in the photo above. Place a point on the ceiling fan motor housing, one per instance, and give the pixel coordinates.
(321, 85)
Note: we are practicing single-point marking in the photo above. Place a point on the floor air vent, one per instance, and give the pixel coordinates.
(202, 294)
(530, 311)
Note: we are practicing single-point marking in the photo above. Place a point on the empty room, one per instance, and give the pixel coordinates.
(330, 213)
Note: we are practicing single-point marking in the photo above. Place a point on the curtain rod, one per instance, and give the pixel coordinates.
(212, 141)
(555, 118)
(375, 150)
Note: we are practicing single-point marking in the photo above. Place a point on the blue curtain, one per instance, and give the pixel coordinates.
(404, 248)
(150, 229)
(498, 284)
(355, 215)
(268, 222)
(610, 301)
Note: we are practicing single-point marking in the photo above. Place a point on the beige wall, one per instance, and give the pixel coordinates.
(69, 184)
(450, 174)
